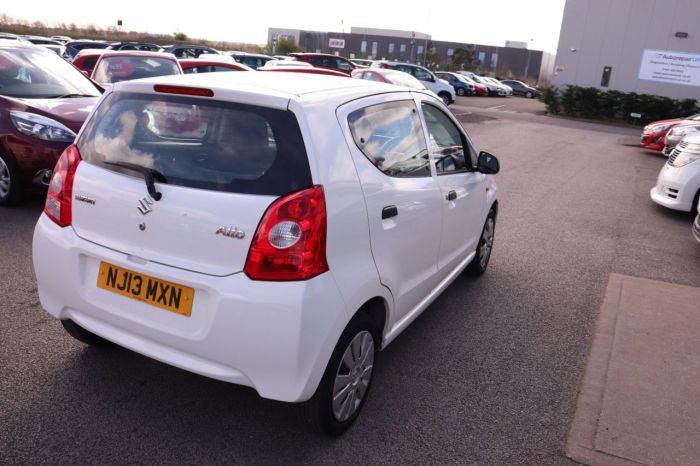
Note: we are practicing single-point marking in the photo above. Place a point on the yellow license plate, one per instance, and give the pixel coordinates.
(154, 291)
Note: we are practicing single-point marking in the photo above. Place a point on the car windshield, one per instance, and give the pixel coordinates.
(40, 74)
(125, 68)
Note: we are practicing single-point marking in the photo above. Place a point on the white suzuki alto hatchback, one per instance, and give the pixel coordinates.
(272, 230)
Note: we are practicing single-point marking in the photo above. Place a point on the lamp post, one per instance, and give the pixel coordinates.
(413, 41)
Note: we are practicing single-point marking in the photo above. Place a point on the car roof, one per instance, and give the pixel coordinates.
(138, 53)
(192, 62)
(269, 89)
(19, 44)
(194, 46)
(83, 52)
(313, 54)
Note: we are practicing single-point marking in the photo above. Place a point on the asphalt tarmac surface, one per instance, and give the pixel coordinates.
(487, 375)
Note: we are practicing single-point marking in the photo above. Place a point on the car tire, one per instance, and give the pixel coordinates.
(480, 262)
(460, 91)
(334, 417)
(446, 98)
(529, 95)
(10, 188)
(82, 335)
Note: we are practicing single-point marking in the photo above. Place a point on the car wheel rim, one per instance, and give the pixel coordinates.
(353, 376)
(4, 179)
(486, 243)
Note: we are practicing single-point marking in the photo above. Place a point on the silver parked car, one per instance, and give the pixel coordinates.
(678, 132)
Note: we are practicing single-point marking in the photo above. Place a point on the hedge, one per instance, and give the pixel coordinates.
(592, 103)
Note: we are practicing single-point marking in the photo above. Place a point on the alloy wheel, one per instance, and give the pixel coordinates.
(5, 181)
(353, 376)
(486, 242)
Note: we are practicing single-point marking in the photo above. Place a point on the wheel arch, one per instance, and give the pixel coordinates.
(377, 310)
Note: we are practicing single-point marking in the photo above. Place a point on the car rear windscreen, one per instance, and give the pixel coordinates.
(199, 143)
(125, 68)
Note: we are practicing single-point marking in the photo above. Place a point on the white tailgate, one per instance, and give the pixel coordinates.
(180, 230)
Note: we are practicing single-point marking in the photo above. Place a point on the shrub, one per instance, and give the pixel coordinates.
(592, 103)
(569, 100)
(550, 97)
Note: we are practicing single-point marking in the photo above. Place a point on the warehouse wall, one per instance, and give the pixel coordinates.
(602, 33)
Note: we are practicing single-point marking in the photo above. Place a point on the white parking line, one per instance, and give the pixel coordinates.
(496, 107)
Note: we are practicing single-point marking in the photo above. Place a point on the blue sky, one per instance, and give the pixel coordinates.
(485, 22)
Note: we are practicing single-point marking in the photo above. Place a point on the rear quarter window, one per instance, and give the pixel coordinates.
(198, 143)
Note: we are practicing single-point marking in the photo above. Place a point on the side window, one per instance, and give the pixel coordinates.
(222, 68)
(423, 75)
(343, 65)
(391, 137)
(369, 76)
(446, 142)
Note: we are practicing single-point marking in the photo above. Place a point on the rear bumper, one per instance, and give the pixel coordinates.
(276, 337)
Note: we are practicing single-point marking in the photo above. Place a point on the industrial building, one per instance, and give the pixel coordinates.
(515, 61)
(642, 46)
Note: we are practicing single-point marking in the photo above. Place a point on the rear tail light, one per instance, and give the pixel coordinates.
(58, 200)
(290, 242)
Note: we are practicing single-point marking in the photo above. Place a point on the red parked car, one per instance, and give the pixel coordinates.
(43, 104)
(113, 67)
(327, 61)
(86, 60)
(479, 89)
(197, 65)
(654, 134)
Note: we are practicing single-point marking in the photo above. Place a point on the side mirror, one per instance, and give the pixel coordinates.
(487, 163)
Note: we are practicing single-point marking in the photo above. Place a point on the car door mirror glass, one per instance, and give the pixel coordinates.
(487, 163)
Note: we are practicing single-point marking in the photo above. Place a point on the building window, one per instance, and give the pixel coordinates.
(402, 48)
(374, 49)
(419, 50)
(363, 47)
(482, 58)
(605, 80)
(391, 48)
(450, 52)
(494, 62)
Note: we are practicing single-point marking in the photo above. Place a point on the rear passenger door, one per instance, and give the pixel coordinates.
(462, 187)
(402, 195)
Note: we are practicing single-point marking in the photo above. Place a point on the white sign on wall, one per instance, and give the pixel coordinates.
(336, 43)
(670, 67)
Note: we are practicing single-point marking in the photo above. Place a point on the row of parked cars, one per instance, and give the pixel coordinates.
(678, 184)
(260, 228)
(462, 82)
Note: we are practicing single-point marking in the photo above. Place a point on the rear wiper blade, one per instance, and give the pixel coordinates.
(149, 174)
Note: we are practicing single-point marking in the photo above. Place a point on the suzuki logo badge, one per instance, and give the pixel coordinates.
(145, 204)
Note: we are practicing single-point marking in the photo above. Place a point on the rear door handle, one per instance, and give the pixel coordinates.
(452, 195)
(389, 211)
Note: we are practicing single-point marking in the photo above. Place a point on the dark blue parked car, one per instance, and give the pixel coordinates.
(462, 87)
(75, 46)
